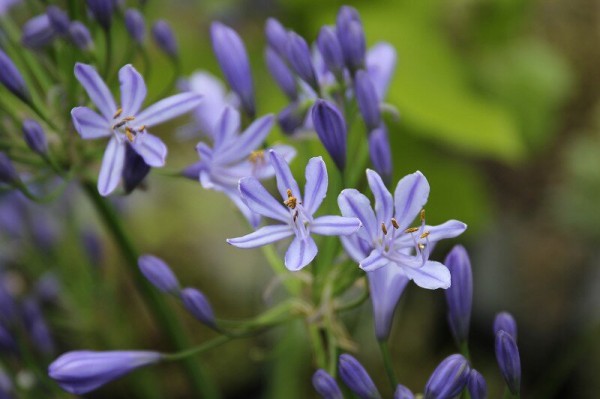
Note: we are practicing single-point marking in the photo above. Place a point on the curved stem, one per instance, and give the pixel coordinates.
(213, 343)
(389, 367)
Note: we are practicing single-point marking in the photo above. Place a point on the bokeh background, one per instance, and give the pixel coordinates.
(499, 104)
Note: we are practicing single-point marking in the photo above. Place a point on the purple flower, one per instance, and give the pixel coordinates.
(80, 372)
(276, 36)
(134, 171)
(11, 78)
(281, 73)
(59, 20)
(356, 378)
(300, 59)
(5, 5)
(506, 322)
(331, 51)
(460, 295)
(196, 303)
(80, 36)
(403, 392)
(368, 103)
(233, 60)
(509, 361)
(351, 37)
(293, 118)
(38, 32)
(36, 326)
(295, 213)
(158, 273)
(8, 173)
(331, 129)
(380, 152)
(34, 136)
(380, 65)
(125, 123)
(135, 25)
(326, 385)
(476, 385)
(165, 38)
(448, 379)
(102, 10)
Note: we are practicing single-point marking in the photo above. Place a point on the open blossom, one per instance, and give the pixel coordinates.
(295, 213)
(127, 125)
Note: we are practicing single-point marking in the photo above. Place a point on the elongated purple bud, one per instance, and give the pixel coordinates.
(506, 322)
(448, 379)
(158, 273)
(380, 153)
(509, 361)
(102, 10)
(135, 25)
(192, 172)
(11, 78)
(35, 137)
(80, 372)
(403, 392)
(59, 20)
(300, 59)
(351, 36)
(38, 32)
(356, 378)
(134, 171)
(8, 174)
(276, 36)
(476, 385)
(233, 60)
(196, 303)
(368, 102)
(331, 129)
(165, 38)
(460, 294)
(281, 73)
(326, 386)
(80, 36)
(331, 51)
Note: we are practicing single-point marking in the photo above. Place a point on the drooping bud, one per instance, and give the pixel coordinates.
(356, 378)
(135, 25)
(403, 392)
(331, 129)
(233, 60)
(38, 32)
(448, 379)
(326, 386)
(368, 102)
(459, 296)
(165, 38)
(196, 303)
(59, 20)
(11, 78)
(276, 36)
(35, 137)
(331, 51)
(80, 36)
(281, 73)
(299, 57)
(134, 171)
(380, 153)
(476, 385)
(351, 36)
(8, 174)
(509, 361)
(158, 273)
(506, 322)
(102, 10)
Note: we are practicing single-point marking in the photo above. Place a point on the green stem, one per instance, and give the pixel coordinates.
(213, 343)
(387, 362)
(164, 316)
(464, 350)
(291, 284)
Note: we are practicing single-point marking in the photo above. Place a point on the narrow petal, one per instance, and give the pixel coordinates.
(234, 195)
(285, 179)
(264, 170)
(374, 261)
(112, 167)
(227, 127)
(169, 108)
(151, 148)
(263, 236)
(410, 197)
(355, 247)
(432, 275)
(89, 124)
(335, 225)
(133, 90)
(354, 204)
(315, 189)
(249, 140)
(300, 253)
(96, 89)
(449, 229)
(260, 201)
(384, 203)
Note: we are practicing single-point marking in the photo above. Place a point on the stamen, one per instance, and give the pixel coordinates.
(141, 128)
(291, 201)
(384, 229)
(130, 134)
(422, 215)
(424, 235)
(257, 156)
(120, 124)
(395, 223)
(411, 230)
(118, 113)
(129, 118)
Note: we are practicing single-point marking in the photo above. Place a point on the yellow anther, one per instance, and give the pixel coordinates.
(141, 128)
(424, 235)
(383, 228)
(118, 113)
(130, 134)
(257, 157)
(129, 118)
(395, 223)
(422, 215)
(411, 230)
(291, 201)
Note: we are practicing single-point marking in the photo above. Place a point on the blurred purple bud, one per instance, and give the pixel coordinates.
(135, 24)
(47, 288)
(8, 307)
(281, 73)
(7, 342)
(38, 32)
(403, 392)
(158, 273)
(196, 303)
(80, 36)
(11, 78)
(506, 322)
(233, 59)
(92, 246)
(80, 372)
(192, 172)
(331, 129)
(509, 361)
(356, 378)
(300, 59)
(165, 38)
(460, 294)
(292, 118)
(448, 379)
(351, 36)
(34, 136)
(59, 20)
(102, 10)
(476, 385)
(381, 153)
(36, 326)
(326, 386)
(368, 102)
(134, 171)
(8, 174)
(330, 50)
(276, 36)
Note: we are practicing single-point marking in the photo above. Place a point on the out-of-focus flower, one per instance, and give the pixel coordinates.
(158, 273)
(300, 59)
(35, 137)
(47, 288)
(509, 361)
(356, 378)
(476, 385)
(5, 5)
(331, 129)
(293, 118)
(36, 326)
(294, 212)
(368, 102)
(11, 78)
(403, 392)
(276, 36)
(165, 38)
(8, 173)
(506, 322)
(59, 20)
(460, 295)
(281, 73)
(380, 153)
(351, 37)
(80, 36)
(135, 25)
(38, 32)
(448, 379)
(102, 10)
(196, 303)
(331, 51)
(326, 386)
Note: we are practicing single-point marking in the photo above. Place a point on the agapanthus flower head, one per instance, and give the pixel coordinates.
(165, 38)
(380, 153)
(80, 372)
(102, 10)
(460, 295)
(8, 173)
(366, 97)
(403, 392)
(125, 123)
(506, 322)
(294, 212)
(158, 273)
(34, 136)
(356, 378)
(476, 385)
(38, 32)
(330, 126)
(509, 361)
(11, 78)
(448, 379)
(326, 386)
(300, 59)
(196, 303)
(80, 36)
(59, 20)
(135, 25)
(281, 73)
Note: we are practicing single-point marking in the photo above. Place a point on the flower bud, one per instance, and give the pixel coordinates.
(59, 20)
(368, 102)
(356, 378)
(80, 372)
(509, 362)
(102, 10)
(300, 59)
(281, 73)
(134, 171)
(380, 153)
(158, 273)
(403, 392)
(11, 78)
(448, 379)
(460, 294)
(506, 322)
(326, 386)
(80, 36)
(135, 25)
(276, 36)
(196, 303)
(331, 129)
(35, 137)
(8, 174)
(164, 38)
(476, 385)
(38, 32)
(291, 118)
(331, 51)
(351, 37)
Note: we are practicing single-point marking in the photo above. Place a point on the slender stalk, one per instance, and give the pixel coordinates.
(292, 285)
(464, 350)
(213, 343)
(387, 362)
(164, 316)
